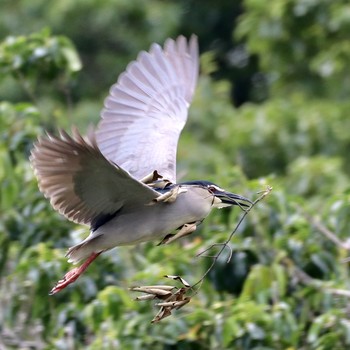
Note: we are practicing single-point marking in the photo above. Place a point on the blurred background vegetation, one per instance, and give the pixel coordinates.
(272, 107)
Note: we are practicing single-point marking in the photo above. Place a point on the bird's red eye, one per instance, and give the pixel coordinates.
(212, 189)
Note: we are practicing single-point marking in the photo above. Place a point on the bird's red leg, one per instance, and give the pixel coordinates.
(72, 275)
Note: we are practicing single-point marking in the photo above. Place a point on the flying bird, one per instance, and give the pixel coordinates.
(121, 178)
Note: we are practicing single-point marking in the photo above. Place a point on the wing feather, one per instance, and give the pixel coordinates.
(80, 182)
(147, 108)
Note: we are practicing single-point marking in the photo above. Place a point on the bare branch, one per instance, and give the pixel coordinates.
(224, 245)
(307, 280)
(327, 233)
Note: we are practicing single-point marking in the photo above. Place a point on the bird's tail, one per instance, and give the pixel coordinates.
(80, 252)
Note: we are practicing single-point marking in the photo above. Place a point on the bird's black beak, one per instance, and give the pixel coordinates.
(229, 198)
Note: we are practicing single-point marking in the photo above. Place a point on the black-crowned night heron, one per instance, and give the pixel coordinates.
(121, 179)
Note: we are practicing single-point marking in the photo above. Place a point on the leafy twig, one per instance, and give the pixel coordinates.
(173, 298)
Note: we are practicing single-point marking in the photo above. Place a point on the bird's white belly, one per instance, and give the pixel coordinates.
(150, 222)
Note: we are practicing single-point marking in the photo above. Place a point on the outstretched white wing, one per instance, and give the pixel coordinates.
(81, 183)
(147, 108)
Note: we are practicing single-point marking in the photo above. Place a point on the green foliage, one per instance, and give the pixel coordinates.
(38, 55)
(301, 44)
(286, 286)
(36, 60)
(108, 34)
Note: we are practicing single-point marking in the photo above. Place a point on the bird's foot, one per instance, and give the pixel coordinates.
(184, 231)
(73, 275)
